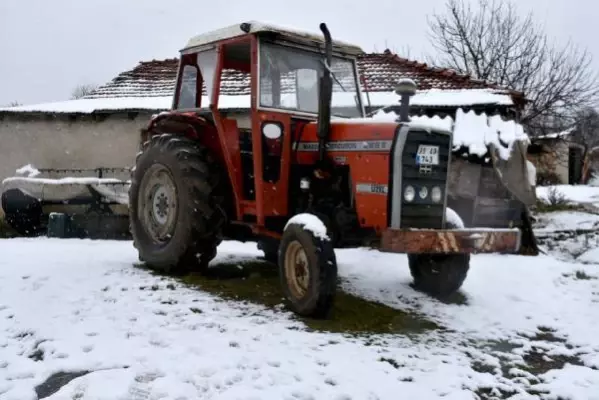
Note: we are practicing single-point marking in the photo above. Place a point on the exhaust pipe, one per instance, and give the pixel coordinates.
(325, 95)
(405, 88)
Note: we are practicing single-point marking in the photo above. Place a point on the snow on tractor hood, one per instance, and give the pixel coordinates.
(491, 137)
(475, 132)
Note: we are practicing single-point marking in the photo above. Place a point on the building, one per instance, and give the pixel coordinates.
(558, 158)
(102, 129)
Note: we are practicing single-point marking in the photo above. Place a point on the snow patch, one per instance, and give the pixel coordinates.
(63, 181)
(260, 26)
(571, 382)
(590, 256)
(93, 105)
(384, 116)
(464, 97)
(424, 98)
(29, 170)
(416, 121)
(115, 190)
(452, 217)
(473, 131)
(508, 131)
(180, 342)
(432, 123)
(567, 220)
(532, 173)
(406, 82)
(572, 193)
(476, 132)
(310, 222)
(555, 135)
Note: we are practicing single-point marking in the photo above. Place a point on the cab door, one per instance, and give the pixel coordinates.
(271, 143)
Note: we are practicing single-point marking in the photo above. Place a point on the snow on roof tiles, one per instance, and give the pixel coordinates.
(380, 73)
(150, 85)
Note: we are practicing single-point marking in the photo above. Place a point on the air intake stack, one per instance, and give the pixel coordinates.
(405, 88)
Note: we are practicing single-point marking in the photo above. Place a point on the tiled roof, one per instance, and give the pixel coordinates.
(383, 70)
(380, 72)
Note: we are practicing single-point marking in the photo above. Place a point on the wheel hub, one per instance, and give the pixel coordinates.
(296, 269)
(161, 205)
(158, 206)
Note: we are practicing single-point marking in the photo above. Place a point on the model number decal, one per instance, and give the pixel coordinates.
(374, 188)
(347, 145)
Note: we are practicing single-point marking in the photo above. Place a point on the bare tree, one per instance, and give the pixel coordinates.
(494, 43)
(82, 90)
(586, 130)
(13, 104)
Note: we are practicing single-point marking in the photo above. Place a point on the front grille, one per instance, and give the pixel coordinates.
(423, 213)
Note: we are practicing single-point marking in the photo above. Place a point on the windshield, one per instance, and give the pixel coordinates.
(289, 80)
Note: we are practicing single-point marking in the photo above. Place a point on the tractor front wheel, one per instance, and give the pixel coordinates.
(308, 271)
(175, 212)
(440, 275)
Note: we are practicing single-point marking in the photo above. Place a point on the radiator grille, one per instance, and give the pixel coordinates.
(424, 213)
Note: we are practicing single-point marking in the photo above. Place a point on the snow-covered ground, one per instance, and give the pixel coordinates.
(569, 234)
(525, 327)
(582, 194)
(564, 220)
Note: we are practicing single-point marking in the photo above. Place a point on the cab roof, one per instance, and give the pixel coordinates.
(255, 27)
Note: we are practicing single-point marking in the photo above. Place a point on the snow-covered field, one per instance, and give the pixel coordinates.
(526, 327)
(581, 194)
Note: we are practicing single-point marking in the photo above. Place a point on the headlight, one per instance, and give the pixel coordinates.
(423, 192)
(436, 194)
(409, 193)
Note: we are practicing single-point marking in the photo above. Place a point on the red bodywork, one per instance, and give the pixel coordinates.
(222, 134)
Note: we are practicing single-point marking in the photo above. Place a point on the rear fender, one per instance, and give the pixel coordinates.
(188, 125)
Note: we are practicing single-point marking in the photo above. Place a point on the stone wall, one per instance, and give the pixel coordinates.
(69, 142)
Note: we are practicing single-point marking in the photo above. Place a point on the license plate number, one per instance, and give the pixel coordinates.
(427, 155)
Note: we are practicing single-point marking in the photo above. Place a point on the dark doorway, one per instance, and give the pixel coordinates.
(574, 165)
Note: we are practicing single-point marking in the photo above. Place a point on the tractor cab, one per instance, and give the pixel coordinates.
(276, 70)
(277, 82)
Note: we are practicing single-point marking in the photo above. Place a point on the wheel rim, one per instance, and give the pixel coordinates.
(297, 272)
(158, 206)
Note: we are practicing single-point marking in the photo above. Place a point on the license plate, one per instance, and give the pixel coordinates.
(427, 155)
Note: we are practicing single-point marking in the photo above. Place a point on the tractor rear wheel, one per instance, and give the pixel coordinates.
(174, 205)
(308, 271)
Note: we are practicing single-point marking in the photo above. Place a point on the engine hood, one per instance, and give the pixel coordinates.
(352, 134)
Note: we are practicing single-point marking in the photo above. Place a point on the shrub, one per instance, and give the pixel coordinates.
(546, 178)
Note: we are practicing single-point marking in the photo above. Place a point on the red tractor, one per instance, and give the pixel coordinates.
(297, 169)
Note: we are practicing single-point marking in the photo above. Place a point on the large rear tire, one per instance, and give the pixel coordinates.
(175, 206)
(308, 271)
